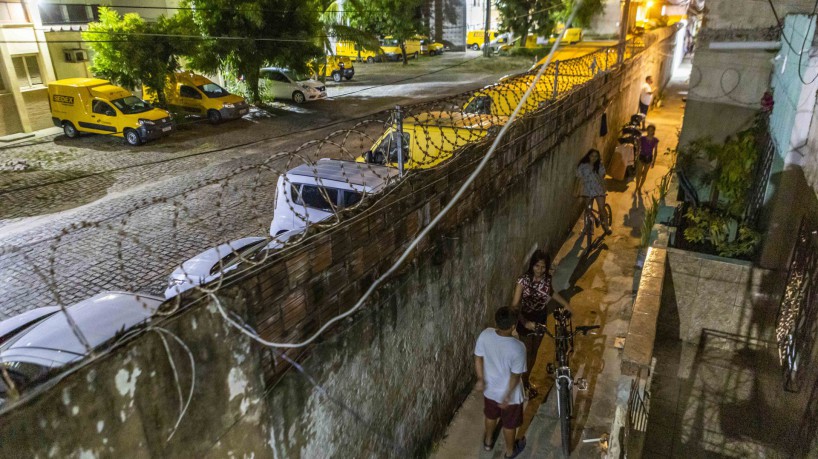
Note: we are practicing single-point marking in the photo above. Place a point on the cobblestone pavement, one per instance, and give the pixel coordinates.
(100, 216)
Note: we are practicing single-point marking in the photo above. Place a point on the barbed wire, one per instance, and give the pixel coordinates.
(136, 245)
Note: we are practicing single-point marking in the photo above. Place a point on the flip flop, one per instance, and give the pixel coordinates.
(519, 446)
(487, 447)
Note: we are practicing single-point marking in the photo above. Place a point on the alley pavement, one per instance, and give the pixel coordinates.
(600, 287)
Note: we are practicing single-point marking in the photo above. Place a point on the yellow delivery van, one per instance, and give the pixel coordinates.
(476, 38)
(338, 68)
(501, 99)
(351, 50)
(190, 94)
(391, 48)
(96, 106)
(430, 138)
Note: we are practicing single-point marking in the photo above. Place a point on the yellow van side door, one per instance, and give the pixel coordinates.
(190, 100)
(102, 120)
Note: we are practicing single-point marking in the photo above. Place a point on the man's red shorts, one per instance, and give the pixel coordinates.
(511, 417)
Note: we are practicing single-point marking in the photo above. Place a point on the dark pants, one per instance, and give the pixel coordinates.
(532, 342)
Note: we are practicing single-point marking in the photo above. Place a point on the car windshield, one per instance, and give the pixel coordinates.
(295, 76)
(390, 42)
(132, 104)
(480, 105)
(213, 91)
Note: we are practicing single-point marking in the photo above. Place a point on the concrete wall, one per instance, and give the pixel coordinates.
(63, 69)
(751, 14)
(382, 384)
(720, 294)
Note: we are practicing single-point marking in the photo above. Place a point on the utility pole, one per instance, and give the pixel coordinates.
(623, 30)
(486, 48)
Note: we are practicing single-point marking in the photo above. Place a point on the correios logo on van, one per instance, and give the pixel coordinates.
(66, 100)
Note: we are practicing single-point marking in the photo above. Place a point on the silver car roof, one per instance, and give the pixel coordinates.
(371, 176)
(21, 320)
(98, 318)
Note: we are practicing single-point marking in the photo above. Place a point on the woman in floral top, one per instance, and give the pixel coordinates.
(591, 173)
(534, 291)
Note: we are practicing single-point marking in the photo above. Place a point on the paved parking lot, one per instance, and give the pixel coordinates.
(98, 215)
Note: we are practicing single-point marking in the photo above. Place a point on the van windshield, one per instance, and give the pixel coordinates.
(390, 42)
(213, 91)
(131, 104)
(480, 105)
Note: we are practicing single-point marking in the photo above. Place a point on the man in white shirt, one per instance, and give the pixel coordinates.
(499, 359)
(645, 98)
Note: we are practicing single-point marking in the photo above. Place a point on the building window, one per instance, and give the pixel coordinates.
(51, 13)
(13, 12)
(28, 71)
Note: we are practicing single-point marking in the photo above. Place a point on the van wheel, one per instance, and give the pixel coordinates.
(370, 60)
(475, 47)
(298, 97)
(214, 116)
(132, 137)
(69, 130)
(336, 77)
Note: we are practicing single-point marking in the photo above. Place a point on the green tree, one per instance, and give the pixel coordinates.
(335, 22)
(130, 51)
(522, 17)
(400, 19)
(242, 36)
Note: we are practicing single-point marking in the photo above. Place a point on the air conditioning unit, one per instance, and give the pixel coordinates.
(75, 55)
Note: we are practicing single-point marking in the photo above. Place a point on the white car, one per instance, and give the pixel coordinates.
(215, 262)
(283, 83)
(311, 193)
(32, 355)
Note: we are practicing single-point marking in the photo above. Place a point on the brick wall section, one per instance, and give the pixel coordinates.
(381, 384)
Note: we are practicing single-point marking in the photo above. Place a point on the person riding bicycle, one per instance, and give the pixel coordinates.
(533, 292)
(591, 174)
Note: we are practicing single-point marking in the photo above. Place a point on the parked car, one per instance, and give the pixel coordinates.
(311, 193)
(337, 67)
(430, 138)
(96, 106)
(501, 99)
(218, 261)
(191, 94)
(430, 47)
(282, 83)
(35, 353)
(13, 325)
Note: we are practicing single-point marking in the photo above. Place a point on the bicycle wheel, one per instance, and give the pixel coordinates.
(609, 214)
(565, 416)
(588, 230)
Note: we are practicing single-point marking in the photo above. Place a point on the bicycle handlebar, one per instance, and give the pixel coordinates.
(541, 329)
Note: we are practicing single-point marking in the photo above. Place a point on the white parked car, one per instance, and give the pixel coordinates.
(215, 262)
(33, 354)
(311, 193)
(287, 84)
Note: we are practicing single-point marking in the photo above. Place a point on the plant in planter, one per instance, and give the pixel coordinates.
(718, 226)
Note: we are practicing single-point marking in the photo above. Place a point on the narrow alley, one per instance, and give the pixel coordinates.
(600, 287)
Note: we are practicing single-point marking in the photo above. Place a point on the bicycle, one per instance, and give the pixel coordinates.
(564, 345)
(592, 220)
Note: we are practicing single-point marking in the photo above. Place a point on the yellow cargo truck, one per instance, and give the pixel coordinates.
(190, 94)
(430, 138)
(391, 48)
(351, 50)
(96, 106)
(475, 39)
(338, 68)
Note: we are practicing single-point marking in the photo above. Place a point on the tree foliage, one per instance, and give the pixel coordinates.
(242, 36)
(539, 17)
(401, 19)
(129, 51)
